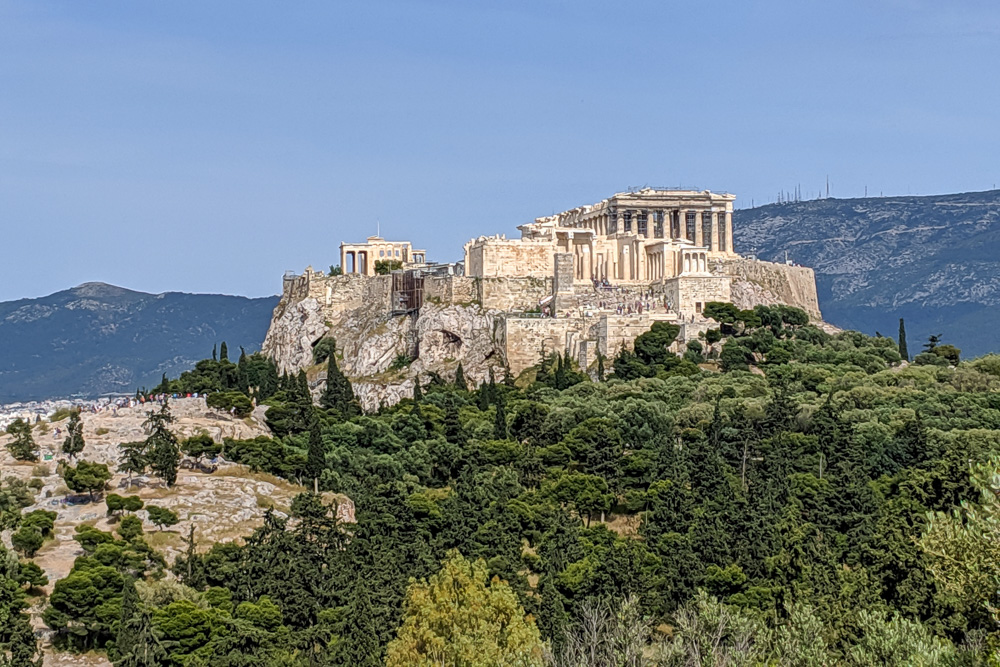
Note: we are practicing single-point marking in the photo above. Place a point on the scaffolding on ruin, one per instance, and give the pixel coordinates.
(407, 291)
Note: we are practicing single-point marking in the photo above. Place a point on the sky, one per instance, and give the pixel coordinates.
(211, 146)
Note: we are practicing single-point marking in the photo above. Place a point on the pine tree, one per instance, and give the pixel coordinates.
(460, 382)
(73, 444)
(903, 351)
(223, 352)
(500, 419)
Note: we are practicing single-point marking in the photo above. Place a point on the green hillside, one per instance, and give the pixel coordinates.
(98, 338)
(931, 260)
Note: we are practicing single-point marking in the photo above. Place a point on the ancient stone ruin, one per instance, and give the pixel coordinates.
(584, 281)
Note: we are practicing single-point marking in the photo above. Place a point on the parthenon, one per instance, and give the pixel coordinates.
(631, 237)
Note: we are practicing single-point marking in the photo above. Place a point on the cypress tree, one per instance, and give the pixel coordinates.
(460, 382)
(500, 421)
(24, 651)
(453, 432)
(903, 351)
(135, 645)
(600, 366)
(164, 452)
(214, 357)
(223, 352)
(559, 381)
(73, 444)
(316, 461)
(508, 379)
(338, 396)
(418, 392)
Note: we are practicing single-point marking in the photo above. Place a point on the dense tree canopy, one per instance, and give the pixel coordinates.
(771, 490)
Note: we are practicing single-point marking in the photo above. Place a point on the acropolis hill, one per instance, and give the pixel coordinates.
(584, 281)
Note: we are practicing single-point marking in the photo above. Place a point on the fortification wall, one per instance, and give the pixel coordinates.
(525, 339)
(450, 289)
(513, 294)
(756, 282)
(616, 330)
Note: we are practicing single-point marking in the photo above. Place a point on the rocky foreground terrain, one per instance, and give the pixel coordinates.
(97, 338)
(931, 260)
(222, 506)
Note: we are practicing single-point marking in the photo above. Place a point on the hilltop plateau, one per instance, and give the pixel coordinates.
(98, 338)
(930, 260)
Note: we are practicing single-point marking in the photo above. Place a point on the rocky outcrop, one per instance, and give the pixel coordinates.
(768, 283)
(382, 353)
(295, 328)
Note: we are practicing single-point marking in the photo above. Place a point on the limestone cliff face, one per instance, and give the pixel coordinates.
(369, 342)
(767, 283)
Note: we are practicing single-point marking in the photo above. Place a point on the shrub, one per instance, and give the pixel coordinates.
(400, 362)
(130, 528)
(40, 520)
(230, 400)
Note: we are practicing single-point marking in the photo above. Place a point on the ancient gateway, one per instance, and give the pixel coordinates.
(584, 281)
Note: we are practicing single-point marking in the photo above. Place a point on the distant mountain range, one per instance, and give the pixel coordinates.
(934, 261)
(98, 338)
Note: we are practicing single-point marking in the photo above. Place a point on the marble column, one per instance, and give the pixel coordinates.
(729, 232)
(699, 221)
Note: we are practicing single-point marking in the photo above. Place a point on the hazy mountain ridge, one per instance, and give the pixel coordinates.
(98, 338)
(930, 259)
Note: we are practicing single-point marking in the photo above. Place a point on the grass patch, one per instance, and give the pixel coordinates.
(159, 539)
(102, 431)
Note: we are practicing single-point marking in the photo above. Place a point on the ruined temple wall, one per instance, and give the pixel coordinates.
(756, 282)
(513, 294)
(499, 258)
(525, 339)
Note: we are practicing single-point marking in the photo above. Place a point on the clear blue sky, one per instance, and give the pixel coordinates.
(208, 146)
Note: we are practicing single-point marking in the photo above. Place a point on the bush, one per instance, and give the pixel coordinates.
(230, 400)
(130, 528)
(40, 520)
(400, 362)
(201, 445)
(929, 359)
